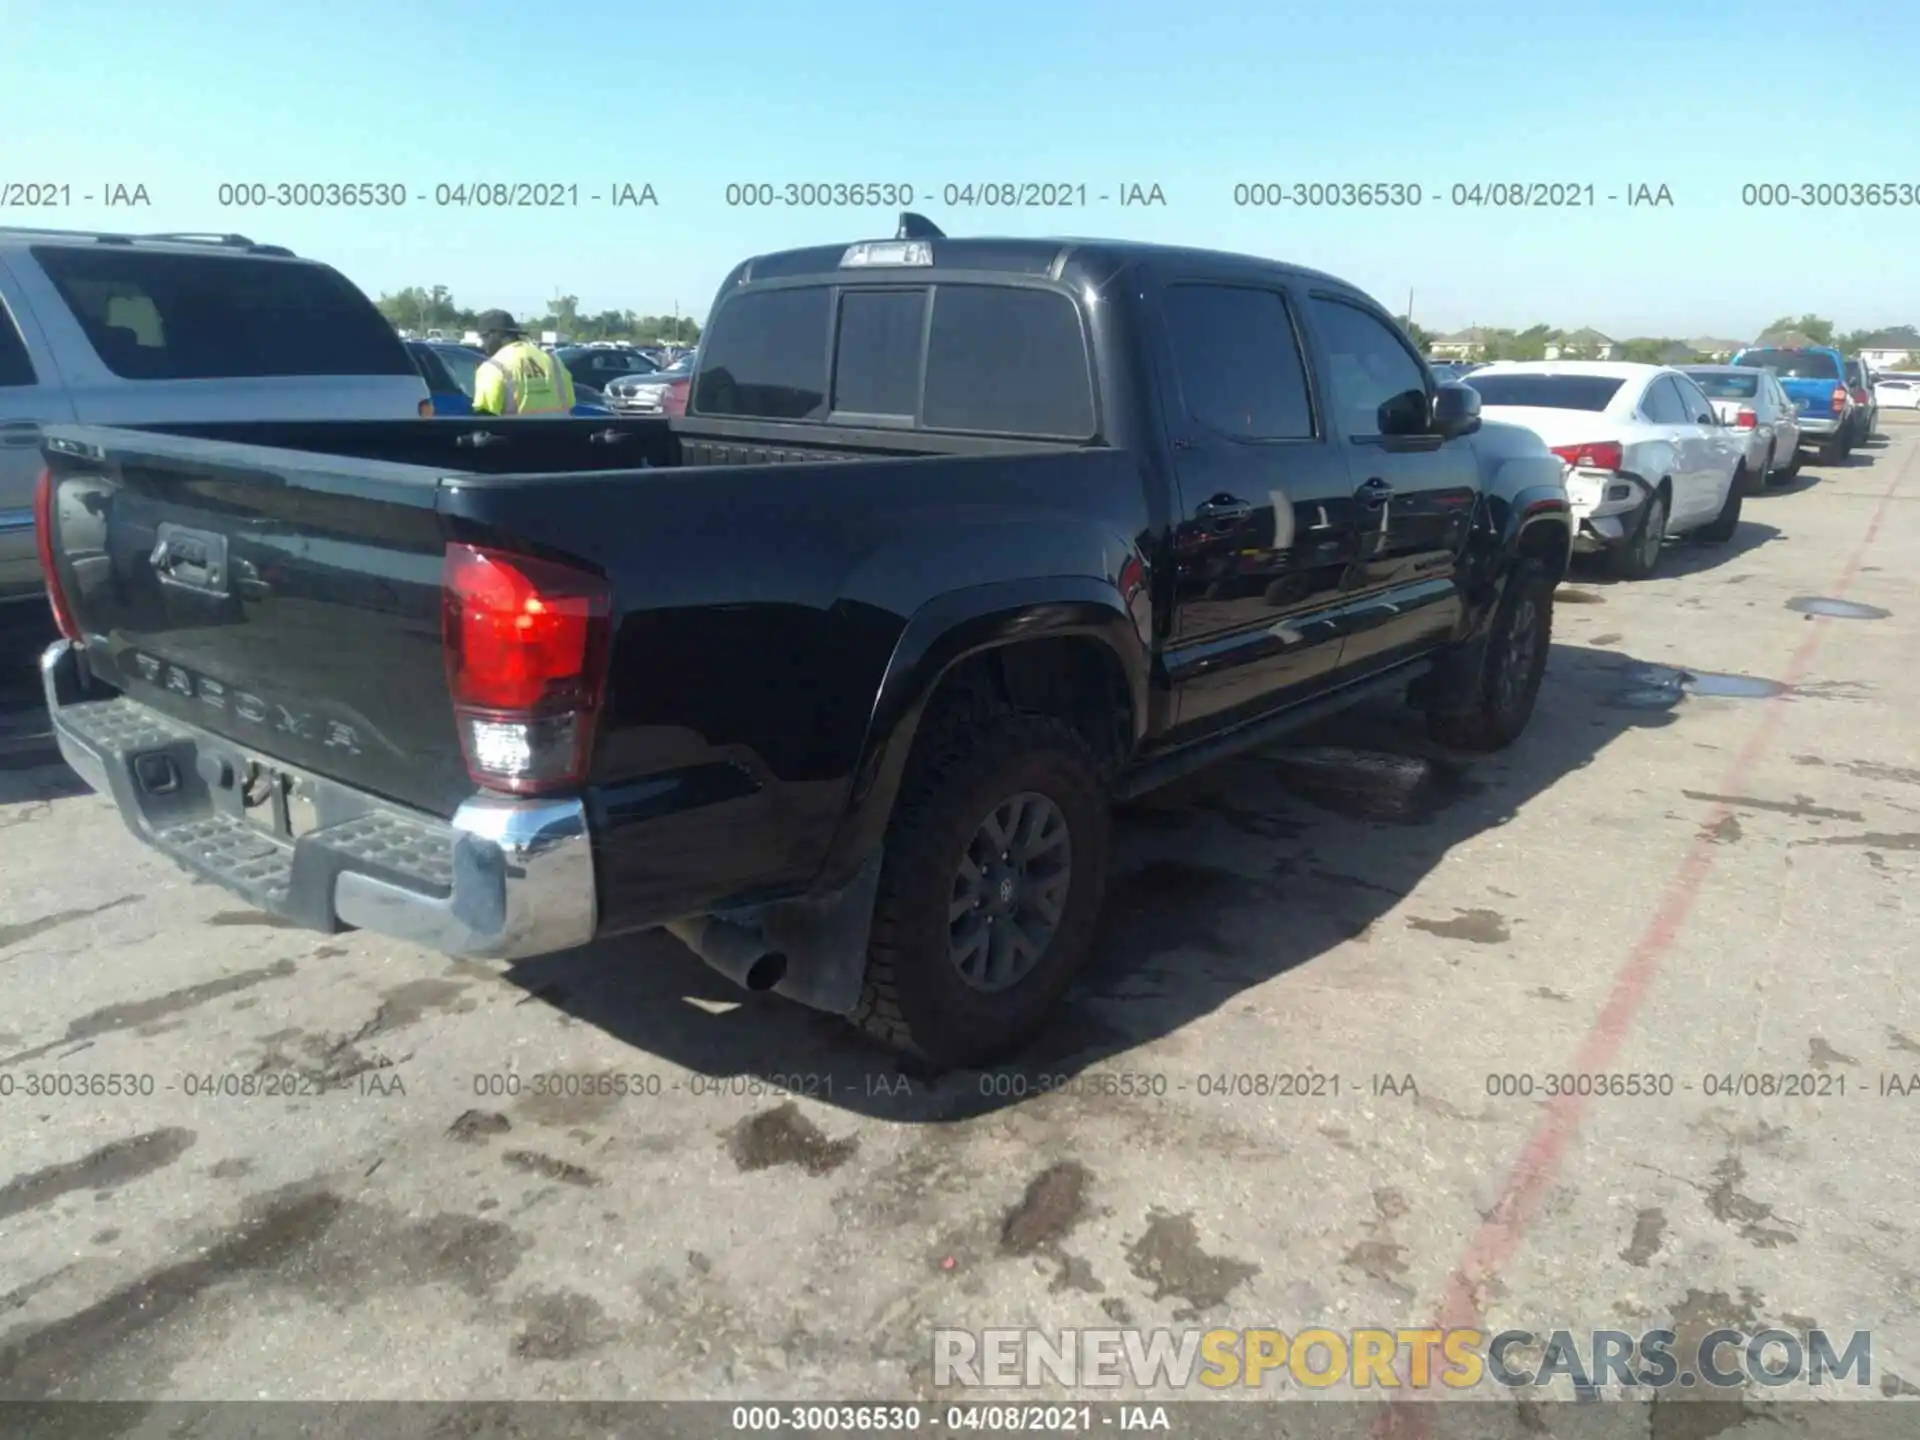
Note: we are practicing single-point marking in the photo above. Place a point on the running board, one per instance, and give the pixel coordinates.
(1198, 755)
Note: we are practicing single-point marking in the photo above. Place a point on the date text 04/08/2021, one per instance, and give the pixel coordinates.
(444, 195)
(957, 195)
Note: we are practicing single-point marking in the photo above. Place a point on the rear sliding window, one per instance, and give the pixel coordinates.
(998, 360)
(1792, 364)
(1726, 387)
(154, 315)
(1544, 392)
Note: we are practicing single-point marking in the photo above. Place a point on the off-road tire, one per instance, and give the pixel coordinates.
(1728, 520)
(1501, 711)
(913, 999)
(1633, 558)
(1834, 452)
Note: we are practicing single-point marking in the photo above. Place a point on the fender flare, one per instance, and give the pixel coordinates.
(947, 630)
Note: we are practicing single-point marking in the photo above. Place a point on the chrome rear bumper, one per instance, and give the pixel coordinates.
(504, 878)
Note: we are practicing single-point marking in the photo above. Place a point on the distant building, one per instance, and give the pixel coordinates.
(1890, 349)
(1718, 351)
(1463, 344)
(1582, 344)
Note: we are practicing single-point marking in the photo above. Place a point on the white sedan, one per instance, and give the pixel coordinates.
(1647, 457)
(1897, 392)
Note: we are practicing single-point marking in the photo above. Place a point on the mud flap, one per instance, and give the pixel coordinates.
(824, 939)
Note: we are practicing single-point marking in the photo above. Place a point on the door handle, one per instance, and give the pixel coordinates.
(1374, 492)
(19, 432)
(1223, 508)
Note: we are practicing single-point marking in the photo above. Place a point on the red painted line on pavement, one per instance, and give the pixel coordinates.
(1504, 1227)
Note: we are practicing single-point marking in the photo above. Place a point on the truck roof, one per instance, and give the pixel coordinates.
(13, 236)
(1059, 258)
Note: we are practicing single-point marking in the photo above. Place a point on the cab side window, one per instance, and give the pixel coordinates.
(1377, 386)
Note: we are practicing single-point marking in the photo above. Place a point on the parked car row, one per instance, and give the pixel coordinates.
(1654, 451)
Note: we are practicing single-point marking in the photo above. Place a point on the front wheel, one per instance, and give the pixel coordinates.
(1638, 552)
(1512, 670)
(1728, 520)
(990, 890)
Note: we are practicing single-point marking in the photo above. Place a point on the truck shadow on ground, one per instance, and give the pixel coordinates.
(1235, 877)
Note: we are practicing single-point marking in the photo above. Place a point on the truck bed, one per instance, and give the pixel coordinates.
(304, 622)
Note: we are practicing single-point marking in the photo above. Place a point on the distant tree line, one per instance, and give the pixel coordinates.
(432, 307)
(1532, 342)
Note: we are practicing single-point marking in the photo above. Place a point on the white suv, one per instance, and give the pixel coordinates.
(157, 329)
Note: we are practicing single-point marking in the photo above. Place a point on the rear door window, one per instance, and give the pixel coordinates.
(1663, 405)
(1693, 404)
(161, 315)
(16, 366)
(1238, 362)
(1007, 361)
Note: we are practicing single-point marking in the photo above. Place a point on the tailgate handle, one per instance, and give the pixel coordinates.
(190, 559)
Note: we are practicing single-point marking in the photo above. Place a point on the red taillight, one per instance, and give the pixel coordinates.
(426, 408)
(1839, 398)
(674, 402)
(1746, 420)
(1601, 455)
(526, 652)
(1860, 396)
(43, 535)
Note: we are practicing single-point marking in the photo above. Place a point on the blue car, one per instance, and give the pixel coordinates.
(444, 389)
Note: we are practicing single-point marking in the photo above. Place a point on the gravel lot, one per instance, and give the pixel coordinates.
(1659, 879)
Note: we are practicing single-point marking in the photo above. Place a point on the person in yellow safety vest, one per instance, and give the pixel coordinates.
(518, 378)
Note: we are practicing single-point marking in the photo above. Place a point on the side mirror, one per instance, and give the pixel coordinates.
(1404, 414)
(1456, 411)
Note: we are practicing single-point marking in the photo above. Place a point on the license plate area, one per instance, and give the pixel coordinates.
(276, 802)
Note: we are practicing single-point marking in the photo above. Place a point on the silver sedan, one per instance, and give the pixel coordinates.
(1752, 400)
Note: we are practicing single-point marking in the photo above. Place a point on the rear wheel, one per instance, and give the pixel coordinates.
(1510, 675)
(1834, 452)
(1728, 520)
(1635, 557)
(1781, 474)
(990, 890)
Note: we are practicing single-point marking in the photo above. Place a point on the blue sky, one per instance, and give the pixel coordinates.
(1193, 98)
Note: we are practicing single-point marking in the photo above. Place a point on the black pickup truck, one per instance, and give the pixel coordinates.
(836, 675)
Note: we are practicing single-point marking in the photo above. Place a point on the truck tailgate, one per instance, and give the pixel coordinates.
(1812, 398)
(291, 608)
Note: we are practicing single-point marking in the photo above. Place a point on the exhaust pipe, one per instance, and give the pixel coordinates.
(738, 953)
